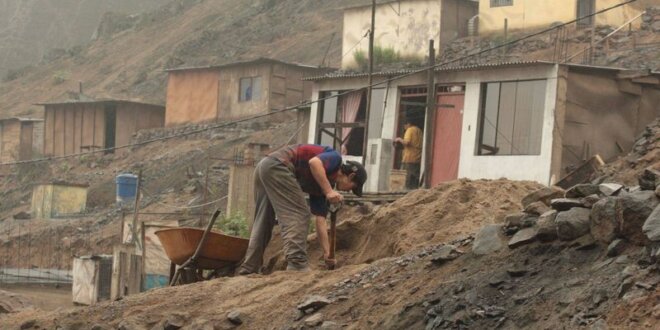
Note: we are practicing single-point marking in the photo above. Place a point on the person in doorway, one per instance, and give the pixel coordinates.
(280, 182)
(412, 153)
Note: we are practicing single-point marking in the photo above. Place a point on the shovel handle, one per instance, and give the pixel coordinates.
(333, 236)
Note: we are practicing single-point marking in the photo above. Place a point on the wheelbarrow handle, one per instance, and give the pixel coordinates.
(215, 216)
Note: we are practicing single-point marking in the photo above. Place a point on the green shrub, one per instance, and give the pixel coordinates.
(382, 55)
(234, 224)
(61, 76)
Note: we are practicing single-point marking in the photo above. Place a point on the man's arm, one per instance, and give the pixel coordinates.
(318, 171)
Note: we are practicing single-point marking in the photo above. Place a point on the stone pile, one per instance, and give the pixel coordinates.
(586, 214)
(651, 19)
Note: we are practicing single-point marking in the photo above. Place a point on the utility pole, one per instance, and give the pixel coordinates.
(371, 80)
(430, 117)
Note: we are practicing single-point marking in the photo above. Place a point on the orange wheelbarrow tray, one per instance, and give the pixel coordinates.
(219, 250)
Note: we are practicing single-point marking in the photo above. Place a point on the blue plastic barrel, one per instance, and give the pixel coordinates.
(126, 188)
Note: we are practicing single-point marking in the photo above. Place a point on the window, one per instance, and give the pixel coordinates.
(250, 89)
(511, 118)
(501, 3)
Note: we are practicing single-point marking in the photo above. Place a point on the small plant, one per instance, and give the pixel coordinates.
(382, 55)
(234, 224)
(61, 76)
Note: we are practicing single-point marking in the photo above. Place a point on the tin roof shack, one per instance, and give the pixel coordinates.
(526, 15)
(235, 90)
(520, 120)
(58, 200)
(72, 127)
(19, 137)
(405, 26)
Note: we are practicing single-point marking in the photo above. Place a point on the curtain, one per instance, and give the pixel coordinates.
(350, 105)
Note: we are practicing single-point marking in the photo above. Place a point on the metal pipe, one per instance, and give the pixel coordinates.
(371, 80)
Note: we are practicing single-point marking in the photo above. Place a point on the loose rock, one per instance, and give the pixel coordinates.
(235, 317)
(537, 208)
(610, 189)
(572, 224)
(488, 240)
(314, 303)
(603, 224)
(651, 227)
(522, 237)
(314, 320)
(635, 209)
(650, 179)
(545, 195)
(582, 190)
(547, 227)
(445, 253)
(615, 248)
(565, 204)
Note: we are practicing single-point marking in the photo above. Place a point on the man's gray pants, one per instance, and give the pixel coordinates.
(276, 192)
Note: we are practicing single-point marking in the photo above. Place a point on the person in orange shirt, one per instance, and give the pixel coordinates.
(412, 153)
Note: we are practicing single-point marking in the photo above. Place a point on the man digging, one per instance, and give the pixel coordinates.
(280, 182)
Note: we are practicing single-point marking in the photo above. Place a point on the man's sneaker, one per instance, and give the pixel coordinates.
(298, 267)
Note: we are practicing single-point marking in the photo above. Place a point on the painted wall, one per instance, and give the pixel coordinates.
(526, 15)
(50, 201)
(241, 191)
(192, 96)
(406, 26)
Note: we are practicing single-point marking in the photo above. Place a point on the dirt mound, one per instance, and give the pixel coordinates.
(421, 218)
(645, 154)
(12, 303)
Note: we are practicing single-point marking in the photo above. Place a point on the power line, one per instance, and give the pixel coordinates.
(309, 103)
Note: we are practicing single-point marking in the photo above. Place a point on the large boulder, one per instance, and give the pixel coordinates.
(652, 225)
(635, 209)
(545, 195)
(623, 217)
(573, 223)
(650, 179)
(604, 220)
(488, 240)
(547, 227)
(582, 190)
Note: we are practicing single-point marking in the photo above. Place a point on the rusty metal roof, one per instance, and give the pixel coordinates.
(260, 60)
(449, 68)
(98, 101)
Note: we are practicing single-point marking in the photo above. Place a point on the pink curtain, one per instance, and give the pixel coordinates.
(350, 104)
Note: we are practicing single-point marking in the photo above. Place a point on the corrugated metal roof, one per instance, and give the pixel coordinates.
(389, 3)
(449, 68)
(98, 101)
(242, 63)
(21, 119)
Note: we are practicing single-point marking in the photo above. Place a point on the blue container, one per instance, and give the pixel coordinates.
(156, 281)
(126, 188)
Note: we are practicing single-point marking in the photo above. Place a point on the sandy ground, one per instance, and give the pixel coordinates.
(43, 297)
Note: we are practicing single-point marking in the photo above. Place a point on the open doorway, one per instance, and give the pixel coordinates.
(412, 106)
(110, 128)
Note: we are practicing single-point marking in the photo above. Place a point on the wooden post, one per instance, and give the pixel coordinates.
(593, 45)
(371, 81)
(506, 35)
(136, 212)
(430, 117)
(206, 195)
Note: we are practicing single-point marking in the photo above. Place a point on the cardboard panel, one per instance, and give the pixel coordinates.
(84, 281)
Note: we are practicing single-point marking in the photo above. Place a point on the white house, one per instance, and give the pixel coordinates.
(519, 120)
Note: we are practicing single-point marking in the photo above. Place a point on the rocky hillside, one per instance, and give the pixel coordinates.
(37, 30)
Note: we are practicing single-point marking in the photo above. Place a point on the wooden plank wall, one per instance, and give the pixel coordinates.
(69, 128)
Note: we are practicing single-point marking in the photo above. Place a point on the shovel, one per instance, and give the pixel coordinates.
(333, 208)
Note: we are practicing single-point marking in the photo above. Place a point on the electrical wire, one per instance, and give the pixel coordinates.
(309, 103)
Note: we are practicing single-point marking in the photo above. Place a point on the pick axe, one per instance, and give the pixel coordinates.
(333, 208)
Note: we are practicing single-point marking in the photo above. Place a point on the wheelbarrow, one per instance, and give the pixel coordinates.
(192, 251)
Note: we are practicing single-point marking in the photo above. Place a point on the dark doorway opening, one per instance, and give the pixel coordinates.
(412, 106)
(110, 128)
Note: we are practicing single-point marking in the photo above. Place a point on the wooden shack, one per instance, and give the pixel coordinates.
(235, 90)
(58, 200)
(78, 126)
(19, 138)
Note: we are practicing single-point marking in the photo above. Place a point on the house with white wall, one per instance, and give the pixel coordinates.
(405, 26)
(530, 120)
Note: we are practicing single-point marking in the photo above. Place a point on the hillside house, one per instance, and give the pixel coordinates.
(77, 126)
(19, 138)
(526, 15)
(520, 120)
(405, 26)
(235, 90)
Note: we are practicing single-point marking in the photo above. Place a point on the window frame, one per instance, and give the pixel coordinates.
(501, 3)
(253, 97)
(482, 116)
